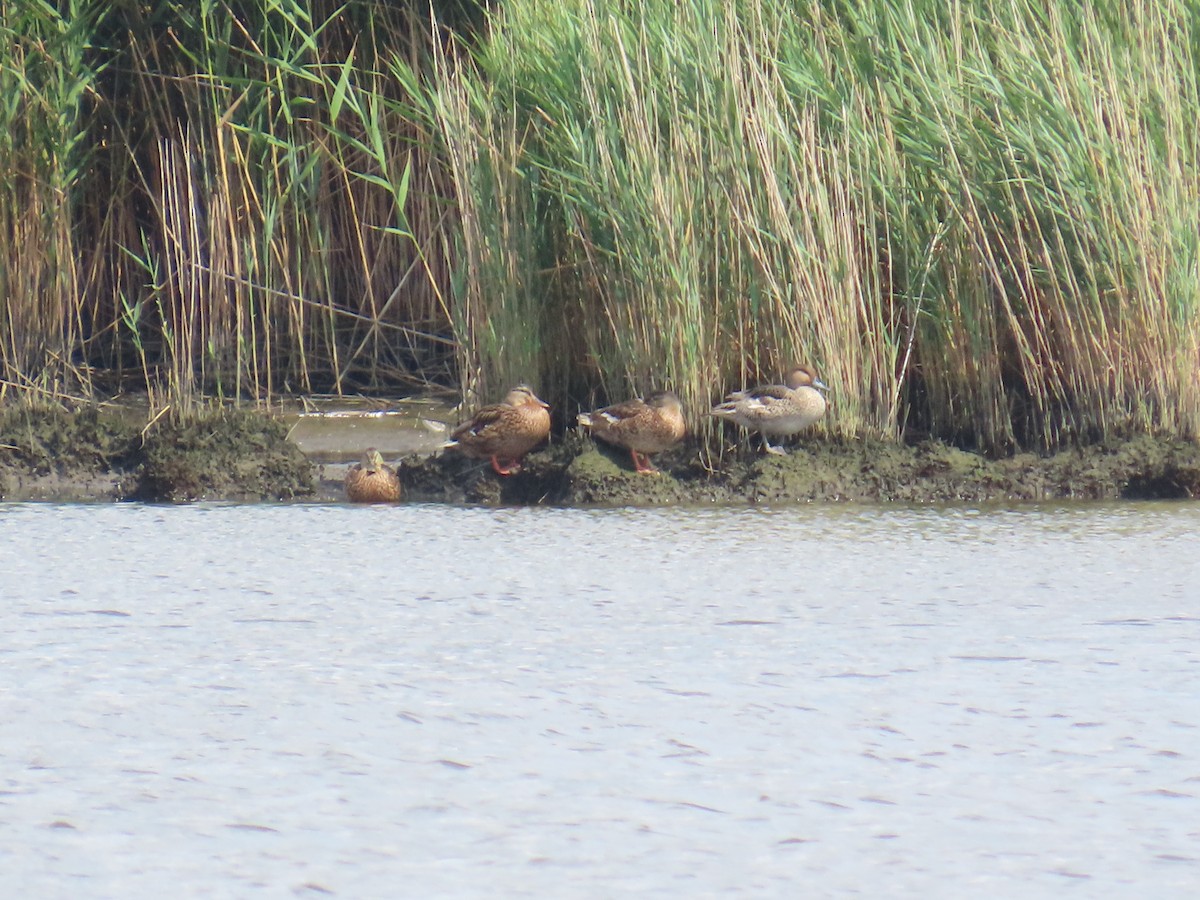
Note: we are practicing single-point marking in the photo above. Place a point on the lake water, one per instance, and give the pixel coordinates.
(425, 701)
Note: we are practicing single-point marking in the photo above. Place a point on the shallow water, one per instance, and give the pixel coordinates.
(313, 700)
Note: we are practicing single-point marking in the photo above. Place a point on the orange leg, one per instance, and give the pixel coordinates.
(513, 466)
(641, 462)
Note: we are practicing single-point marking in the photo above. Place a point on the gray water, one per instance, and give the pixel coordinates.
(425, 701)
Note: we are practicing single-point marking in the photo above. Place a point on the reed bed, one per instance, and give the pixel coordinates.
(217, 200)
(979, 220)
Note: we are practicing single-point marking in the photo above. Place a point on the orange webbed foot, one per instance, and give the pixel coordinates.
(642, 464)
(513, 466)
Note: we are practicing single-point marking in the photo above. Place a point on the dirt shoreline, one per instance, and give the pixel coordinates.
(93, 456)
(579, 473)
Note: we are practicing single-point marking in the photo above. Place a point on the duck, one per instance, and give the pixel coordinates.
(504, 432)
(780, 409)
(370, 481)
(640, 426)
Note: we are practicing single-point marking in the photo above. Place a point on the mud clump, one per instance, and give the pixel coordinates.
(577, 472)
(230, 455)
(93, 454)
(452, 477)
(54, 453)
(90, 454)
(601, 476)
(572, 472)
(1142, 469)
(49, 439)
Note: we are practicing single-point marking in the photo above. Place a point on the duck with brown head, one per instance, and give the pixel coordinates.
(504, 432)
(777, 409)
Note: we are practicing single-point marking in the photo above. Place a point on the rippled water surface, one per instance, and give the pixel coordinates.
(426, 701)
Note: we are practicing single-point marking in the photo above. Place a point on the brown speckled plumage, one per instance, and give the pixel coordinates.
(640, 426)
(370, 481)
(504, 432)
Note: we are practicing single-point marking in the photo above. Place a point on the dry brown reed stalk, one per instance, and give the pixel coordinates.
(1080, 251)
(307, 280)
(245, 240)
(811, 235)
(688, 256)
(494, 301)
(43, 85)
(981, 223)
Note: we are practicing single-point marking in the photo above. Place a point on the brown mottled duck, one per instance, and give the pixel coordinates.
(370, 481)
(640, 426)
(504, 432)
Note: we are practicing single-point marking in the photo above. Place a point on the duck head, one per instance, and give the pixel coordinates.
(804, 375)
(523, 395)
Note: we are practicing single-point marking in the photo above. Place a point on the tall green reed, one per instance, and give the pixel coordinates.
(237, 209)
(44, 85)
(979, 220)
(932, 203)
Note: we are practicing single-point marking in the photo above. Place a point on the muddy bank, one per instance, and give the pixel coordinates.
(577, 472)
(93, 454)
